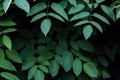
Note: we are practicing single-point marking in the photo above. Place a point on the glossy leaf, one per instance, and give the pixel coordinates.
(90, 69)
(59, 9)
(45, 26)
(73, 2)
(81, 23)
(7, 42)
(23, 4)
(9, 30)
(7, 23)
(87, 31)
(9, 76)
(6, 4)
(39, 75)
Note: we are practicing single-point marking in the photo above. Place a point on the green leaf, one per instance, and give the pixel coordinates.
(38, 16)
(102, 18)
(43, 68)
(56, 16)
(87, 31)
(97, 25)
(7, 42)
(77, 67)
(99, 1)
(37, 8)
(7, 23)
(54, 68)
(105, 74)
(64, 3)
(14, 56)
(9, 30)
(2, 54)
(63, 44)
(87, 1)
(59, 9)
(74, 45)
(23, 4)
(45, 26)
(28, 63)
(67, 61)
(39, 75)
(32, 72)
(73, 2)
(80, 15)
(103, 61)
(117, 13)
(9, 76)
(6, 4)
(4, 64)
(108, 11)
(85, 45)
(82, 23)
(76, 9)
(90, 69)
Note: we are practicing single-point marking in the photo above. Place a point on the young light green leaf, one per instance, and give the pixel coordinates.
(38, 16)
(59, 9)
(9, 30)
(87, 31)
(7, 23)
(4, 64)
(99, 1)
(105, 74)
(45, 26)
(97, 25)
(2, 54)
(9, 76)
(54, 68)
(39, 75)
(77, 67)
(7, 42)
(76, 9)
(6, 4)
(28, 63)
(23, 4)
(102, 18)
(82, 23)
(80, 15)
(108, 11)
(73, 2)
(56, 16)
(14, 56)
(37, 8)
(87, 1)
(32, 72)
(90, 69)
(67, 61)
(43, 68)
(117, 13)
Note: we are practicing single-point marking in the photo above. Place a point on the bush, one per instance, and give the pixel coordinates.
(61, 40)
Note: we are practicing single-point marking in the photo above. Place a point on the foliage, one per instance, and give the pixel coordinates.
(44, 39)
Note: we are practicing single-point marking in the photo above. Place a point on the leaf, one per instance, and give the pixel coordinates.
(4, 64)
(43, 68)
(87, 1)
(77, 67)
(102, 18)
(97, 25)
(67, 61)
(85, 45)
(6, 5)
(87, 31)
(37, 8)
(45, 26)
(59, 9)
(76, 9)
(90, 69)
(7, 23)
(80, 15)
(38, 16)
(81, 23)
(32, 72)
(9, 30)
(7, 42)
(39, 75)
(108, 11)
(2, 54)
(14, 56)
(28, 63)
(23, 4)
(117, 13)
(9, 76)
(73, 2)
(54, 68)
(74, 45)
(105, 74)
(99, 1)
(103, 61)
(56, 16)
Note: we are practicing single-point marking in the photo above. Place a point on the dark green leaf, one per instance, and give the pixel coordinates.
(105, 74)
(2, 54)
(43, 68)
(7, 23)
(9, 30)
